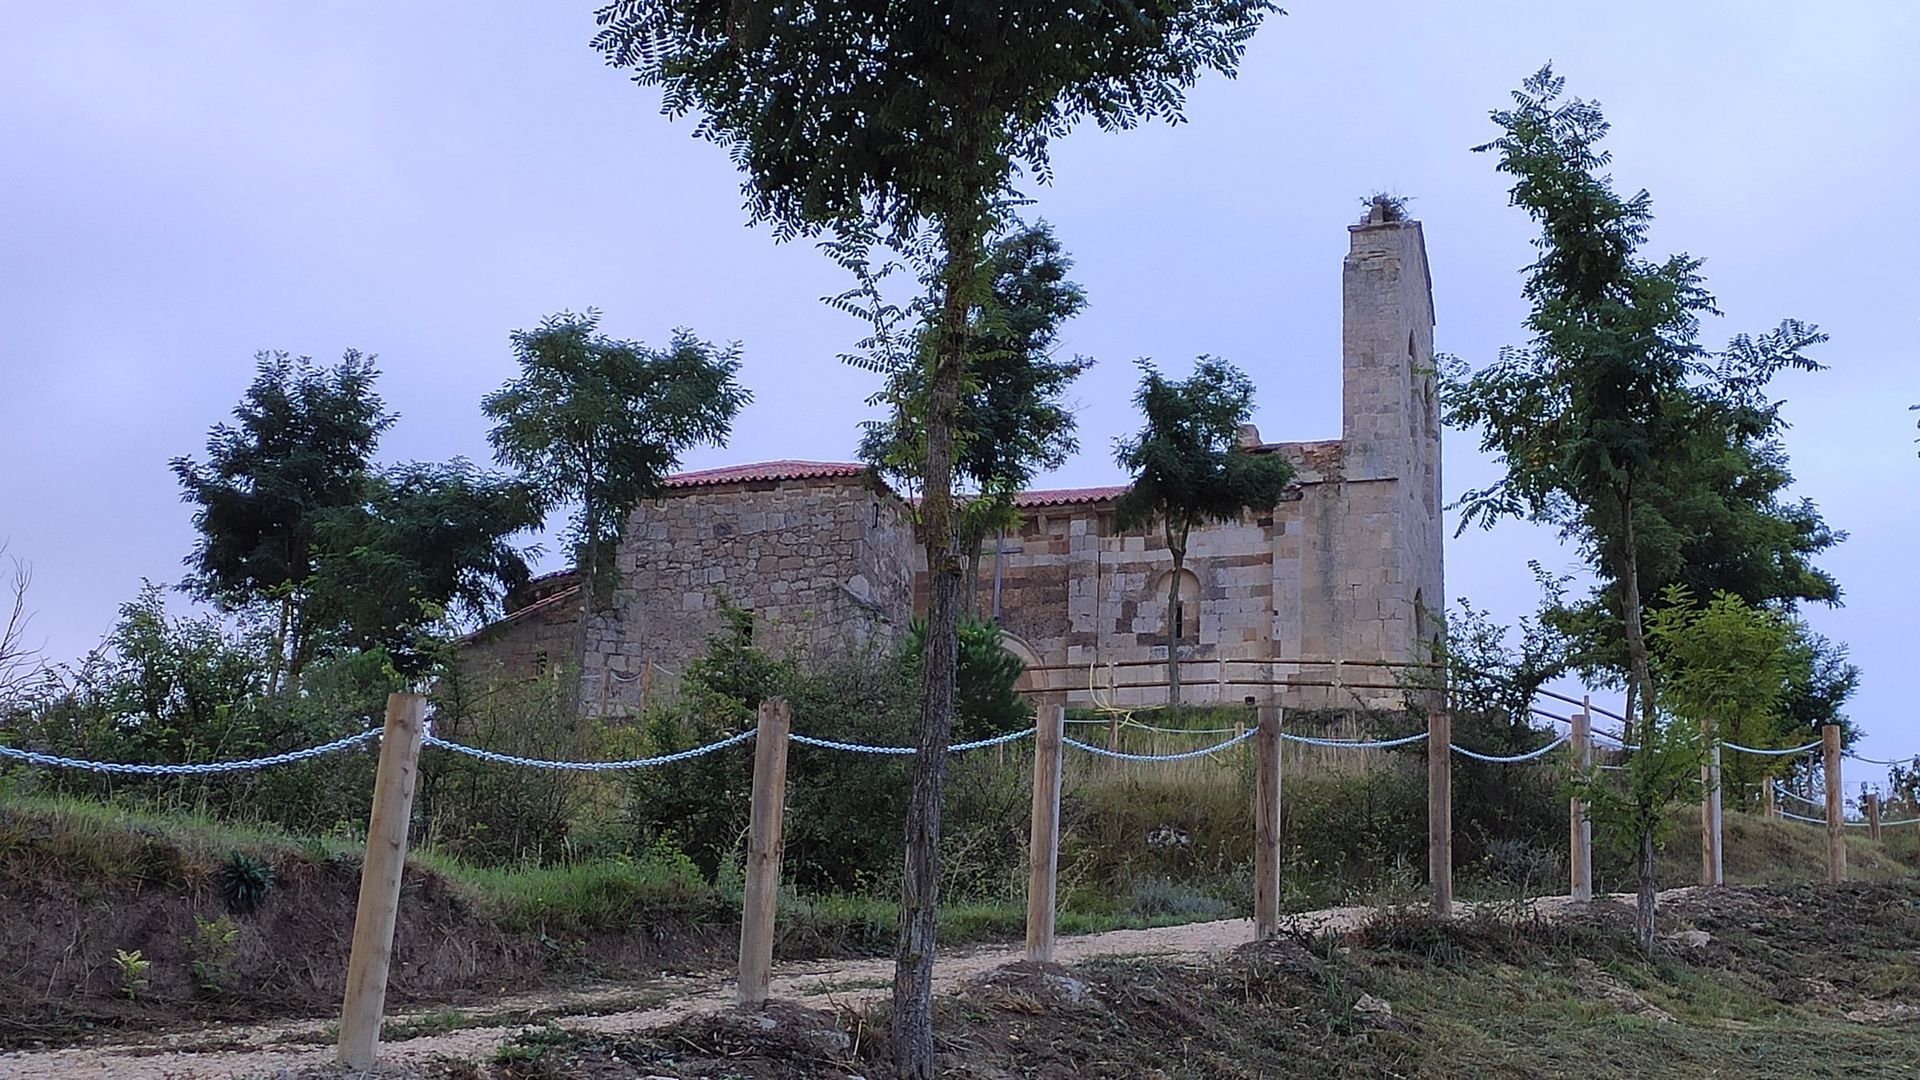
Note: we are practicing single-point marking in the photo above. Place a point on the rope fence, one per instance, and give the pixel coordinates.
(408, 730)
(1514, 759)
(1118, 755)
(32, 757)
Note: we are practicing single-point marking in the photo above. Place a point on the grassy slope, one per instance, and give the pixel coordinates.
(80, 880)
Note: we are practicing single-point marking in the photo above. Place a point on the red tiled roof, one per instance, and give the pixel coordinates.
(1069, 496)
(766, 470)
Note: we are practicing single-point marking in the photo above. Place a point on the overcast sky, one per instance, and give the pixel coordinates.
(182, 185)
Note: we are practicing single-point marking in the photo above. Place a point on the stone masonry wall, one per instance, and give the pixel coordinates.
(824, 564)
(1350, 567)
(527, 644)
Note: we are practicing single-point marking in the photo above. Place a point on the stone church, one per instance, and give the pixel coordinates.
(1315, 599)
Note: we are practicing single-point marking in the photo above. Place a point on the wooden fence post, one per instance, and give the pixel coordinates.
(1043, 848)
(1266, 822)
(1873, 815)
(764, 829)
(1440, 810)
(380, 870)
(1580, 864)
(1711, 865)
(1770, 796)
(1836, 805)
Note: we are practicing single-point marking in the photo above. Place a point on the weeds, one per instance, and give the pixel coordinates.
(133, 972)
(212, 947)
(245, 881)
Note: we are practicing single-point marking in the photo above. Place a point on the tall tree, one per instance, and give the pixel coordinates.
(1012, 420)
(858, 115)
(1585, 415)
(599, 423)
(1188, 468)
(1580, 414)
(301, 446)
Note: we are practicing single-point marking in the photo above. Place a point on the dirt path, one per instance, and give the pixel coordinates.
(229, 1051)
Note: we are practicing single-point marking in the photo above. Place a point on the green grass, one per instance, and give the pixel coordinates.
(115, 846)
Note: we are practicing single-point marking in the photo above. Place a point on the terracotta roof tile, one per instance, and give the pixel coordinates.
(764, 471)
(1069, 496)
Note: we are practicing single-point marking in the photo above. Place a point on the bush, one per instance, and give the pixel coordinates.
(495, 815)
(172, 690)
(845, 812)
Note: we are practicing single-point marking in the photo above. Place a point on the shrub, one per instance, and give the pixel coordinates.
(245, 881)
(494, 815)
(211, 947)
(845, 812)
(133, 972)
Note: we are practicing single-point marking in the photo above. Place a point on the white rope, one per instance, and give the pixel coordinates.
(1770, 753)
(1902, 821)
(1215, 748)
(1352, 744)
(1816, 803)
(1803, 817)
(867, 748)
(32, 757)
(1528, 756)
(587, 766)
(1881, 761)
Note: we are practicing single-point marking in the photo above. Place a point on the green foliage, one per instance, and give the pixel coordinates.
(303, 443)
(1726, 666)
(245, 882)
(491, 815)
(133, 972)
(1187, 463)
(843, 810)
(170, 690)
(1491, 683)
(1188, 467)
(613, 893)
(1011, 421)
(425, 547)
(211, 947)
(294, 518)
(847, 112)
(1663, 770)
(985, 699)
(1820, 679)
(599, 422)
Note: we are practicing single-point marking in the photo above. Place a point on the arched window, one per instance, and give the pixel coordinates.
(1186, 604)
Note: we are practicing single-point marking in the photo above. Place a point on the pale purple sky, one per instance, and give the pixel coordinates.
(183, 185)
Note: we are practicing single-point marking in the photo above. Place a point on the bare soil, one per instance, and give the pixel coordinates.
(486, 1022)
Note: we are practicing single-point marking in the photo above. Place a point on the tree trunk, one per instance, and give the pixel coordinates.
(277, 665)
(1173, 605)
(912, 1022)
(1643, 916)
(1630, 611)
(970, 590)
(587, 570)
